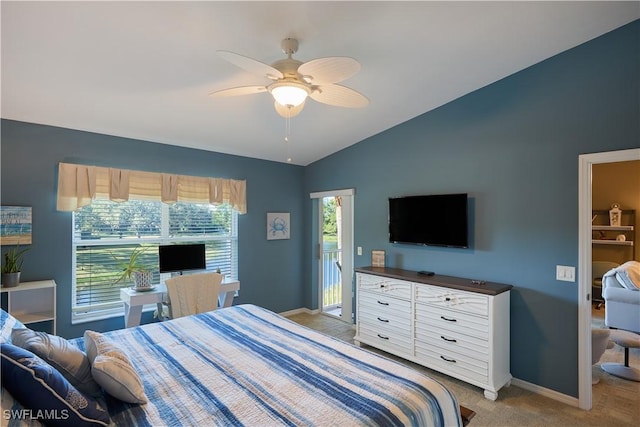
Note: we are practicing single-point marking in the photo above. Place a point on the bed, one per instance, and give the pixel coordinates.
(245, 365)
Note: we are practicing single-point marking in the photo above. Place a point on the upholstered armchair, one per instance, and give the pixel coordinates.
(599, 269)
(621, 292)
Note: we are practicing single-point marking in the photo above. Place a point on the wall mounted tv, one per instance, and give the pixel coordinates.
(434, 220)
(181, 257)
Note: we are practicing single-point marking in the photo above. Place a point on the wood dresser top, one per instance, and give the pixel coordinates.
(469, 285)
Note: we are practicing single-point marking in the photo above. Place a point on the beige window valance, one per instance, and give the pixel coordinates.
(78, 185)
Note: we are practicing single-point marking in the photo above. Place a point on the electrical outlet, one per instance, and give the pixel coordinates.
(359, 250)
(565, 273)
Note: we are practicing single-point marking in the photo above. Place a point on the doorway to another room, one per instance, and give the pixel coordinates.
(592, 247)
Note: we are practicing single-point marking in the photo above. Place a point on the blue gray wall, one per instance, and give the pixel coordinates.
(513, 147)
(270, 272)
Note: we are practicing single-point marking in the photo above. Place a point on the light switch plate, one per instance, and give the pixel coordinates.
(565, 273)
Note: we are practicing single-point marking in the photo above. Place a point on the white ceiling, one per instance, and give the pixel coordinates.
(144, 70)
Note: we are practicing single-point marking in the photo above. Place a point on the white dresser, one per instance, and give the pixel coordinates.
(449, 324)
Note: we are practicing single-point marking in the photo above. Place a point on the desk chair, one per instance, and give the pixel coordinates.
(193, 293)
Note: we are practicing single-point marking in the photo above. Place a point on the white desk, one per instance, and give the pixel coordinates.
(133, 301)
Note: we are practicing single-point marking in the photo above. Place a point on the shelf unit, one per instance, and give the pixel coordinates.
(607, 233)
(32, 303)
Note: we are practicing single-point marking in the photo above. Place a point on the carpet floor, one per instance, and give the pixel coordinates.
(616, 402)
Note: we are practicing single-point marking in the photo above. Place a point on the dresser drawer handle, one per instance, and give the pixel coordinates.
(383, 286)
(383, 337)
(447, 360)
(383, 320)
(447, 299)
(383, 303)
(448, 320)
(448, 339)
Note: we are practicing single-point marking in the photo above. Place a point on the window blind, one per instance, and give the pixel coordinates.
(106, 233)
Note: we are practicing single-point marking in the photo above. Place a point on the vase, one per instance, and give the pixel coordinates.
(10, 280)
(142, 279)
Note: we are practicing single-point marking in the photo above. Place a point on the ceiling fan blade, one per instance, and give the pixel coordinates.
(285, 111)
(340, 96)
(236, 91)
(251, 65)
(332, 69)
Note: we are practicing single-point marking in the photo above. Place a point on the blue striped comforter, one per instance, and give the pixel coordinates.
(245, 365)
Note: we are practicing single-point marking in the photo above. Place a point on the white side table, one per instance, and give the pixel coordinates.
(133, 301)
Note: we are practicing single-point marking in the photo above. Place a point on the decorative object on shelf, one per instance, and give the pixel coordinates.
(377, 258)
(278, 225)
(136, 269)
(15, 225)
(621, 238)
(615, 215)
(13, 259)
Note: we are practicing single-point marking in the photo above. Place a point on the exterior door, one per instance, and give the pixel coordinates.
(335, 253)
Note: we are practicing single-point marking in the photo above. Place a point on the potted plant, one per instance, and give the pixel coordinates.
(13, 259)
(135, 269)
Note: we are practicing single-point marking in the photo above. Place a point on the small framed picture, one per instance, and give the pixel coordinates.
(278, 225)
(15, 225)
(377, 258)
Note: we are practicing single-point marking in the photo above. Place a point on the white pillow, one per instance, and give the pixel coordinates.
(112, 369)
(628, 274)
(7, 324)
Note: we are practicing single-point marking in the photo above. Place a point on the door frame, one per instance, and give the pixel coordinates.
(347, 242)
(585, 174)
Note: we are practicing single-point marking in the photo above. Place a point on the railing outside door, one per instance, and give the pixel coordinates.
(331, 281)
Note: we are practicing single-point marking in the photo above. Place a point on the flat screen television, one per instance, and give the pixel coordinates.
(433, 220)
(181, 257)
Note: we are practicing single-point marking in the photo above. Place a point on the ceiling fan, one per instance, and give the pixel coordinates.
(293, 81)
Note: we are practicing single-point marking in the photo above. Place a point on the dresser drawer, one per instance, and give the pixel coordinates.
(466, 302)
(452, 341)
(384, 317)
(456, 364)
(384, 286)
(439, 319)
(391, 341)
(385, 303)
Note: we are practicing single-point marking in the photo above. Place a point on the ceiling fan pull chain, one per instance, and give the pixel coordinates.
(287, 130)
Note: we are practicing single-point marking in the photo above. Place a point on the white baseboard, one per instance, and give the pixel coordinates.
(298, 311)
(551, 394)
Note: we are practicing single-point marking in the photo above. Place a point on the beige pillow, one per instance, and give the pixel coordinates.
(112, 369)
(72, 363)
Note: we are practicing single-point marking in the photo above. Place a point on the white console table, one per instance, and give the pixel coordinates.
(133, 301)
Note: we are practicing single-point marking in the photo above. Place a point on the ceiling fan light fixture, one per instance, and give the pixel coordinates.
(289, 93)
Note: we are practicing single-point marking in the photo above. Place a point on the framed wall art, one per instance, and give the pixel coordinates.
(377, 258)
(15, 225)
(278, 225)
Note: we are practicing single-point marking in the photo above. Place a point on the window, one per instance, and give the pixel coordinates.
(105, 232)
